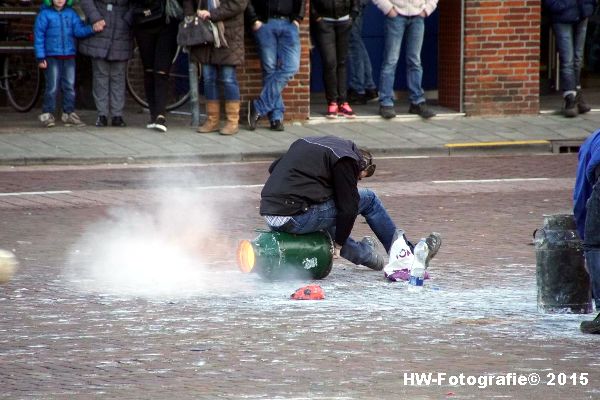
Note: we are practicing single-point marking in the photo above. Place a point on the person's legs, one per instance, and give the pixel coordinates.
(146, 42)
(355, 56)
(209, 76)
(68, 85)
(166, 46)
(52, 75)
(118, 72)
(415, 29)
(579, 35)
(228, 78)
(101, 85)
(394, 32)
(564, 41)
(325, 36)
(342, 35)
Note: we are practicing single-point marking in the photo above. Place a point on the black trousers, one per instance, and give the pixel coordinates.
(332, 40)
(157, 44)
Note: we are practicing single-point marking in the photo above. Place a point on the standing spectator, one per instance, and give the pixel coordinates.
(219, 63)
(361, 87)
(55, 31)
(276, 27)
(586, 200)
(109, 51)
(332, 25)
(405, 20)
(569, 22)
(157, 42)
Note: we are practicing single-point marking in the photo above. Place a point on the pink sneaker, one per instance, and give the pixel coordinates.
(332, 110)
(346, 111)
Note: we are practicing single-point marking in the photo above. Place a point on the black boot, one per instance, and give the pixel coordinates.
(570, 109)
(582, 106)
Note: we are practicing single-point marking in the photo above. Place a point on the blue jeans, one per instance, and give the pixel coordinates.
(322, 217)
(570, 40)
(396, 29)
(361, 72)
(278, 43)
(59, 72)
(224, 74)
(591, 242)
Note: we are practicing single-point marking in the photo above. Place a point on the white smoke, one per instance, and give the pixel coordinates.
(171, 248)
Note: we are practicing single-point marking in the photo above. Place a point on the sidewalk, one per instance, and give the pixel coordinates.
(24, 142)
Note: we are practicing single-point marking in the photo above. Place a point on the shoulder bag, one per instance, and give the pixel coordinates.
(194, 31)
(147, 11)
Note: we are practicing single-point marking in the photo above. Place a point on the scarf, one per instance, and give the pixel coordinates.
(218, 27)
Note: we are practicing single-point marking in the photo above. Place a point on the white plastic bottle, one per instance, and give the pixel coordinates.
(417, 272)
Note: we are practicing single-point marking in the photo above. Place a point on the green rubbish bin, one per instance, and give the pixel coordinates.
(279, 255)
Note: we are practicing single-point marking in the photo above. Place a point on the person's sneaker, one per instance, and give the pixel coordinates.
(253, 115)
(346, 111)
(332, 111)
(387, 112)
(276, 125)
(356, 98)
(118, 121)
(71, 119)
(101, 121)
(47, 120)
(591, 326)
(570, 108)
(582, 106)
(434, 242)
(371, 94)
(421, 109)
(160, 123)
(376, 262)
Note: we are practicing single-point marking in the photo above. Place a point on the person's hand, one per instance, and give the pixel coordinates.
(203, 14)
(43, 64)
(392, 13)
(257, 25)
(296, 23)
(99, 26)
(423, 14)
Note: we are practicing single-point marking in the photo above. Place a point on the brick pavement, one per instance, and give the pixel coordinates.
(79, 333)
(23, 142)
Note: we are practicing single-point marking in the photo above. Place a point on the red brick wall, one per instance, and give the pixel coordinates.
(296, 95)
(501, 57)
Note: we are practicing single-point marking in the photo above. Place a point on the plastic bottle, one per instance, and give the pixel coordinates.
(417, 272)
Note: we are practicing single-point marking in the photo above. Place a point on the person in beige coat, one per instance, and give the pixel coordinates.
(219, 60)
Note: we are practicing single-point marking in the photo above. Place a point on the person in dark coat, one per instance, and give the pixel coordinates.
(219, 63)
(569, 22)
(109, 50)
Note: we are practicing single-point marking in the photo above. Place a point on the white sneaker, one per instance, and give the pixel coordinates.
(71, 119)
(160, 124)
(47, 120)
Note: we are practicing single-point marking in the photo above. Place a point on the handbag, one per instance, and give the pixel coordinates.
(195, 31)
(148, 11)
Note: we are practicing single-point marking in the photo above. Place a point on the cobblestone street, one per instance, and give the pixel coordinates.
(183, 323)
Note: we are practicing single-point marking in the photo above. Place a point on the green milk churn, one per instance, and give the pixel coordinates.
(279, 255)
(563, 284)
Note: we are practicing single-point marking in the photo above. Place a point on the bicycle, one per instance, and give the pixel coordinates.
(179, 86)
(20, 76)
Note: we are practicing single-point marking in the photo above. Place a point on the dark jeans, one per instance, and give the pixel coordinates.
(332, 40)
(157, 45)
(570, 41)
(60, 75)
(592, 241)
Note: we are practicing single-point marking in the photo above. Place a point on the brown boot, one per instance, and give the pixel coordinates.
(232, 112)
(213, 117)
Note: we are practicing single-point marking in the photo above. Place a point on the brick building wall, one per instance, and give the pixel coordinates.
(501, 57)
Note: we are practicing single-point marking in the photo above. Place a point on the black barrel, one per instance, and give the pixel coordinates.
(563, 284)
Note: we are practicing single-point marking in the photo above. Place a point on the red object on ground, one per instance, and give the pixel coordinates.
(310, 292)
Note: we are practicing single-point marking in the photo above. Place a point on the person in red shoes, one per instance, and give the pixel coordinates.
(331, 26)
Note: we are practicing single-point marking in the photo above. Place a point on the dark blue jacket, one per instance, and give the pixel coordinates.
(55, 32)
(568, 11)
(589, 159)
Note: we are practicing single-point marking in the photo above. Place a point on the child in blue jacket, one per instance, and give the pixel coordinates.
(55, 31)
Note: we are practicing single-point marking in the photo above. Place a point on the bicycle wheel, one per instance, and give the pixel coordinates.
(179, 85)
(22, 80)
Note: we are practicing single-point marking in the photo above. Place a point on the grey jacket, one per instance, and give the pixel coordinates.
(115, 42)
